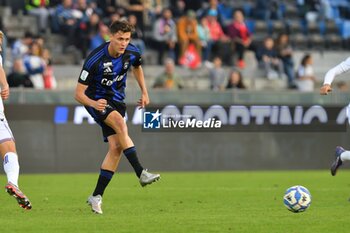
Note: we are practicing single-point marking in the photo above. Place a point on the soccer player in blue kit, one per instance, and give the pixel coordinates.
(101, 89)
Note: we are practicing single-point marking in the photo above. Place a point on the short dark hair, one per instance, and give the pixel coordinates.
(121, 25)
(306, 57)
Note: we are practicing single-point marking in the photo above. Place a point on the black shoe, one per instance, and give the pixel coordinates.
(337, 161)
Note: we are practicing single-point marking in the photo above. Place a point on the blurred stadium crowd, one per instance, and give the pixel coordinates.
(220, 40)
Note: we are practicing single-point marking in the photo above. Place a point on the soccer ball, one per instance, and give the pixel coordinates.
(297, 199)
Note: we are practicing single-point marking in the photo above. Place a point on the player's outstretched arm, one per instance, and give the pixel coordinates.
(144, 100)
(341, 68)
(80, 96)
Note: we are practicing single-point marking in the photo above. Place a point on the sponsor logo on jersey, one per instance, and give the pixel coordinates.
(107, 70)
(109, 82)
(107, 64)
(107, 67)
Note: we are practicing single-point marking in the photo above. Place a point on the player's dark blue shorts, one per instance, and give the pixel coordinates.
(100, 116)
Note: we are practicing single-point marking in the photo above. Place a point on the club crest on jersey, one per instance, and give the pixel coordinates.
(126, 65)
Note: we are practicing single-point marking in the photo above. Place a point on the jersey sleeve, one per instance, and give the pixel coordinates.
(341, 68)
(86, 75)
(1, 61)
(137, 60)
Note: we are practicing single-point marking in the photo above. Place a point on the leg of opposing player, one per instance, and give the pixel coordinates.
(11, 168)
(341, 155)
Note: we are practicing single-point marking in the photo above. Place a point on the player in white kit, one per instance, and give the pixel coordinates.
(8, 146)
(341, 154)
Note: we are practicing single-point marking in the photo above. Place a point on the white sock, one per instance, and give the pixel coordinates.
(345, 155)
(11, 167)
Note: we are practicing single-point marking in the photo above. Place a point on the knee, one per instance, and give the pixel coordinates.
(114, 147)
(119, 125)
(122, 128)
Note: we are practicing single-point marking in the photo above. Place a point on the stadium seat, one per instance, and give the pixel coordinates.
(295, 27)
(299, 40)
(331, 27)
(334, 41)
(261, 26)
(316, 41)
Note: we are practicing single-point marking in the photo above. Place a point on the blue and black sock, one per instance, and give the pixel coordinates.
(130, 154)
(103, 180)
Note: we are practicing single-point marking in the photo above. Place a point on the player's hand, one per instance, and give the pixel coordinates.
(100, 104)
(143, 101)
(325, 89)
(5, 92)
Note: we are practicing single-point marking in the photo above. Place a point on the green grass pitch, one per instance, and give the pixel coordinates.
(200, 202)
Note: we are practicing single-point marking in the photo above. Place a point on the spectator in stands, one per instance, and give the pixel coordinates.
(40, 40)
(21, 46)
(136, 35)
(39, 8)
(35, 65)
(326, 10)
(168, 79)
(137, 8)
(18, 77)
(270, 62)
(67, 22)
(165, 35)
(154, 9)
(221, 45)
(268, 9)
(204, 37)
(116, 16)
(217, 75)
(83, 13)
(235, 80)
(241, 37)
(187, 32)
(87, 31)
(177, 8)
(48, 74)
(213, 7)
(83, 10)
(305, 75)
(301, 8)
(108, 7)
(313, 11)
(225, 9)
(285, 53)
(100, 38)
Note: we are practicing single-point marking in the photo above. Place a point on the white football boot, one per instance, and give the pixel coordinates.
(95, 202)
(148, 178)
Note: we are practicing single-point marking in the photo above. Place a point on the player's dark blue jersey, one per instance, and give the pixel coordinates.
(106, 75)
